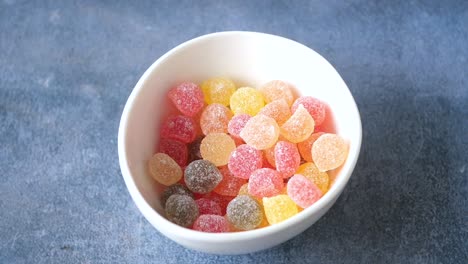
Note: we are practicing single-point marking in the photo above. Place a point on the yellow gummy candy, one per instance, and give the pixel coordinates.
(310, 171)
(279, 208)
(218, 90)
(246, 100)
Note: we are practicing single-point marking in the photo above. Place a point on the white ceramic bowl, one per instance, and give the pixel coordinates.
(248, 58)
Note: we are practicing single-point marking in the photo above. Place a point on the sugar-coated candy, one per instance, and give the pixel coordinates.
(215, 119)
(276, 90)
(299, 126)
(329, 152)
(208, 206)
(177, 150)
(222, 200)
(202, 176)
(179, 127)
(244, 212)
(230, 184)
(279, 208)
(246, 100)
(310, 171)
(164, 169)
(244, 160)
(174, 189)
(303, 191)
(211, 223)
(265, 183)
(237, 123)
(181, 210)
(314, 106)
(278, 110)
(305, 147)
(260, 132)
(187, 97)
(287, 158)
(218, 90)
(217, 147)
(269, 155)
(194, 149)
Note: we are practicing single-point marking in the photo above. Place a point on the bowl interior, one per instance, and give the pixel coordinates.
(249, 59)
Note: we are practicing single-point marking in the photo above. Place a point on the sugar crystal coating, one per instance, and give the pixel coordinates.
(314, 106)
(303, 191)
(164, 169)
(211, 223)
(174, 189)
(187, 97)
(208, 206)
(230, 184)
(260, 132)
(310, 171)
(305, 147)
(246, 100)
(278, 110)
(287, 158)
(279, 208)
(269, 154)
(299, 126)
(244, 213)
(181, 210)
(217, 147)
(236, 124)
(215, 119)
(265, 183)
(182, 128)
(244, 160)
(222, 200)
(276, 90)
(329, 152)
(175, 149)
(218, 90)
(202, 176)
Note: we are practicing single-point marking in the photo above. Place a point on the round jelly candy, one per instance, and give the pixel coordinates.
(303, 191)
(182, 128)
(314, 106)
(217, 147)
(265, 183)
(164, 169)
(187, 97)
(174, 189)
(244, 160)
(279, 208)
(202, 176)
(244, 212)
(222, 200)
(229, 185)
(329, 152)
(305, 147)
(276, 90)
(211, 223)
(218, 90)
(207, 206)
(194, 149)
(181, 210)
(299, 126)
(260, 132)
(310, 171)
(236, 124)
(278, 110)
(215, 119)
(175, 149)
(287, 158)
(246, 100)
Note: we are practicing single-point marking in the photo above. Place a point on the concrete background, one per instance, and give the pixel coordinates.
(67, 68)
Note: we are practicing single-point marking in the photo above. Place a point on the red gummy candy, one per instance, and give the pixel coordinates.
(265, 183)
(182, 128)
(244, 160)
(177, 150)
(314, 106)
(207, 206)
(187, 97)
(229, 185)
(211, 223)
(287, 158)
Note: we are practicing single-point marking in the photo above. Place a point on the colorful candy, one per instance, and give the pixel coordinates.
(319, 178)
(244, 160)
(244, 213)
(230, 184)
(299, 126)
(181, 210)
(202, 176)
(276, 90)
(174, 189)
(207, 206)
(279, 208)
(329, 152)
(246, 100)
(260, 132)
(278, 110)
(215, 119)
(164, 169)
(217, 148)
(305, 147)
(237, 123)
(218, 90)
(314, 106)
(287, 158)
(303, 191)
(177, 150)
(211, 224)
(265, 183)
(182, 128)
(187, 97)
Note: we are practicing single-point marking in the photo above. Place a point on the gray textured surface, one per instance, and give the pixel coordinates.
(66, 69)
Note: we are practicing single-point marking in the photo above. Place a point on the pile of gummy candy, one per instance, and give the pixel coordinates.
(240, 159)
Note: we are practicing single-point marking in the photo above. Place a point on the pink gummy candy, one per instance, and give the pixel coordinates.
(179, 127)
(211, 223)
(177, 150)
(237, 123)
(314, 106)
(287, 158)
(245, 160)
(265, 183)
(303, 191)
(207, 206)
(187, 97)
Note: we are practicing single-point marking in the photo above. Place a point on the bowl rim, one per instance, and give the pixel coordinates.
(160, 222)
